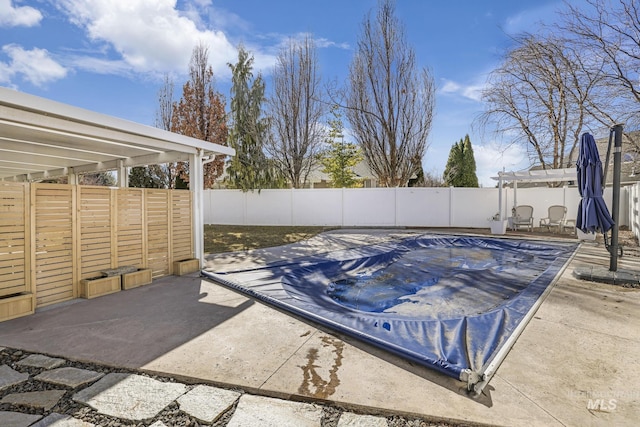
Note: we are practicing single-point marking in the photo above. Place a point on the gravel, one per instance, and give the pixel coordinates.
(171, 415)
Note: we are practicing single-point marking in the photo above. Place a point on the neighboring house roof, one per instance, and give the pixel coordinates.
(361, 170)
(630, 165)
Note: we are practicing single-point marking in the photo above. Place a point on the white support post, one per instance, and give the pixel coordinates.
(196, 186)
(72, 178)
(500, 217)
(123, 176)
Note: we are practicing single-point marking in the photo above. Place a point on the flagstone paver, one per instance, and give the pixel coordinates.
(35, 399)
(9, 377)
(17, 419)
(70, 377)
(207, 403)
(128, 396)
(61, 420)
(269, 412)
(349, 419)
(41, 361)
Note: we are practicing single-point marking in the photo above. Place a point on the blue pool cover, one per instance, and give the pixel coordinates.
(446, 302)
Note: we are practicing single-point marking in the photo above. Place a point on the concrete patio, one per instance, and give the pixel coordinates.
(575, 363)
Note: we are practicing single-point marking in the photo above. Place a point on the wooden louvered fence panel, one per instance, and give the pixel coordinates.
(158, 222)
(96, 222)
(54, 243)
(182, 227)
(14, 238)
(130, 227)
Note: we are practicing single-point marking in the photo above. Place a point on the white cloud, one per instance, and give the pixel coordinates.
(450, 87)
(35, 65)
(149, 35)
(492, 158)
(224, 20)
(471, 91)
(322, 43)
(16, 16)
(100, 66)
(528, 20)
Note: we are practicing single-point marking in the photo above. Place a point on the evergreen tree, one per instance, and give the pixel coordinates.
(341, 157)
(461, 165)
(250, 168)
(152, 176)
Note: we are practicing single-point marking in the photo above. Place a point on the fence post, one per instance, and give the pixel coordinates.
(244, 207)
(450, 206)
(342, 207)
(293, 221)
(395, 203)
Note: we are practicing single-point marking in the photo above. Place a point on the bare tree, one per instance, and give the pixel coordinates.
(296, 109)
(164, 113)
(163, 175)
(389, 101)
(608, 32)
(538, 97)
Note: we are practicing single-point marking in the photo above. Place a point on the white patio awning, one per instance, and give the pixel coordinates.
(40, 138)
(542, 175)
(546, 175)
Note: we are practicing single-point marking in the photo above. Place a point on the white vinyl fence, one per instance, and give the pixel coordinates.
(387, 207)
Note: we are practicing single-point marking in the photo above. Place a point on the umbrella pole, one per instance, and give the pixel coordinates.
(617, 161)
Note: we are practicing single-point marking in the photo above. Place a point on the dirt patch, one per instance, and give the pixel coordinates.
(232, 238)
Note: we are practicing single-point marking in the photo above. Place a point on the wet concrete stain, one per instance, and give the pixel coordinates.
(312, 383)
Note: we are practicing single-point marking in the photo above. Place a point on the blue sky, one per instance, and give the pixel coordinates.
(110, 55)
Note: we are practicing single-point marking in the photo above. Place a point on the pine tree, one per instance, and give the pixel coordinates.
(249, 169)
(340, 158)
(460, 170)
(152, 176)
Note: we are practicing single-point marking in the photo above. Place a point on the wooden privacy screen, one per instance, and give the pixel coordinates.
(52, 236)
(158, 231)
(182, 226)
(97, 230)
(54, 242)
(14, 238)
(130, 227)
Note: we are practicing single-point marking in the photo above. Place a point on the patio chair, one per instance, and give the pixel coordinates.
(522, 217)
(556, 217)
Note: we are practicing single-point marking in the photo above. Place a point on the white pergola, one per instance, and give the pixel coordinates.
(40, 139)
(545, 175)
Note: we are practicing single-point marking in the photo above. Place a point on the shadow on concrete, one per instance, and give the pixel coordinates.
(126, 329)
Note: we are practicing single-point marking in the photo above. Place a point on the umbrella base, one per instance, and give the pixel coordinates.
(601, 274)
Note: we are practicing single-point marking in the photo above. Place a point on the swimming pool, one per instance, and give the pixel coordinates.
(451, 303)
